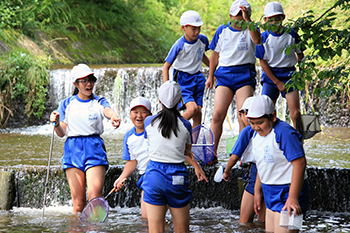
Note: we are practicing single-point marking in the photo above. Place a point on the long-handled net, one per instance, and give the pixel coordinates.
(203, 140)
(96, 211)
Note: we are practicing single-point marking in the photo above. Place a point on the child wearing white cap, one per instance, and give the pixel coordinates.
(80, 118)
(278, 66)
(186, 56)
(135, 146)
(242, 150)
(233, 51)
(166, 178)
(281, 163)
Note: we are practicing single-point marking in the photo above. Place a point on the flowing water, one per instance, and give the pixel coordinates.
(31, 145)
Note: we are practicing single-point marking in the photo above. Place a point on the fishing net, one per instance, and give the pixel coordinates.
(96, 211)
(203, 144)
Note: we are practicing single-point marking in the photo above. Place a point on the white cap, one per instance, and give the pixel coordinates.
(273, 8)
(80, 71)
(191, 18)
(260, 106)
(247, 103)
(235, 7)
(140, 101)
(170, 94)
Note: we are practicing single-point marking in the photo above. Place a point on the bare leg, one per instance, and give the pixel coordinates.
(242, 94)
(293, 102)
(222, 100)
(95, 177)
(156, 217)
(143, 207)
(181, 219)
(76, 180)
(247, 208)
(193, 111)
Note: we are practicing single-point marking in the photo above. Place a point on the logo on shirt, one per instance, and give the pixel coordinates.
(200, 54)
(268, 158)
(93, 116)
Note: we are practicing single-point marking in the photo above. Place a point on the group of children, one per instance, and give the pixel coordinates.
(158, 145)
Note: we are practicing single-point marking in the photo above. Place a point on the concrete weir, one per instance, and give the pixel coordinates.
(23, 186)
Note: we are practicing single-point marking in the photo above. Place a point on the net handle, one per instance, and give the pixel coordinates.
(206, 105)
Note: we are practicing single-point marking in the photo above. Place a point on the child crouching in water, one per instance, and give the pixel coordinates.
(281, 163)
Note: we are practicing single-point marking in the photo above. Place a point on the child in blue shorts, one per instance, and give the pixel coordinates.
(278, 67)
(135, 146)
(80, 118)
(242, 151)
(186, 56)
(281, 163)
(165, 182)
(233, 51)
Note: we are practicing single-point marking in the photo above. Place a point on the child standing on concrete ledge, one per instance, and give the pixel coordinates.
(233, 51)
(186, 56)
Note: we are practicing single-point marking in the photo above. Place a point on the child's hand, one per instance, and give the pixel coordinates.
(292, 204)
(200, 174)
(226, 175)
(55, 117)
(115, 121)
(245, 14)
(257, 202)
(281, 87)
(119, 184)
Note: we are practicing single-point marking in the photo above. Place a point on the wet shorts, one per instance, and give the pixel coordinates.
(192, 87)
(249, 178)
(235, 77)
(269, 88)
(166, 183)
(84, 152)
(275, 196)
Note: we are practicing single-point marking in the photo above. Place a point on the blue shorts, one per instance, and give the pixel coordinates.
(275, 196)
(249, 178)
(166, 183)
(84, 152)
(140, 181)
(192, 86)
(235, 77)
(269, 88)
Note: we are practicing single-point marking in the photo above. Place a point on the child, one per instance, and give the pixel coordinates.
(278, 67)
(80, 118)
(135, 146)
(281, 164)
(233, 50)
(242, 151)
(166, 178)
(186, 56)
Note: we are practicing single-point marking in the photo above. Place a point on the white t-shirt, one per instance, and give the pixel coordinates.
(187, 56)
(135, 147)
(168, 150)
(234, 47)
(83, 117)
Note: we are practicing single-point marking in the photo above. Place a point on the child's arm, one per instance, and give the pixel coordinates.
(257, 194)
(60, 127)
(166, 68)
(129, 168)
(292, 202)
(231, 162)
(255, 34)
(112, 115)
(280, 85)
(213, 63)
(300, 57)
(190, 159)
(205, 60)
